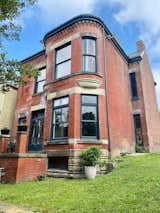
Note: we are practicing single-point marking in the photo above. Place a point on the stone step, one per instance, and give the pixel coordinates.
(57, 173)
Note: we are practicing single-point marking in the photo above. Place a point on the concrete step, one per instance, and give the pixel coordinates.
(57, 173)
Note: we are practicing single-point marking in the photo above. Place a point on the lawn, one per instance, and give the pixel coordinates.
(132, 187)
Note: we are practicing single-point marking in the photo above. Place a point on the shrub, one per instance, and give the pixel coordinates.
(91, 156)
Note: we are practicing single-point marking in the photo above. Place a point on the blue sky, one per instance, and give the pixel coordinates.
(129, 20)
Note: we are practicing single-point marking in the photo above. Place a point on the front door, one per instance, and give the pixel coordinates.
(138, 129)
(36, 131)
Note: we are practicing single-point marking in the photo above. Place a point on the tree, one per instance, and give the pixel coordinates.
(12, 71)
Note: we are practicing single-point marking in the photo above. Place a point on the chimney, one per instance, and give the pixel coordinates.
(140, 46)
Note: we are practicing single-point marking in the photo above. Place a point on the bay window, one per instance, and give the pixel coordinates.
(89, 54)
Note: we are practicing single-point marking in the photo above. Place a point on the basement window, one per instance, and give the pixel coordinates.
(60, 163)
(133, 85)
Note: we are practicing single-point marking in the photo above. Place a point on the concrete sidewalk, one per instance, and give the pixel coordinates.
(7, 208)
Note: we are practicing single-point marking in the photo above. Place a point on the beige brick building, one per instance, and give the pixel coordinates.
(7, 107)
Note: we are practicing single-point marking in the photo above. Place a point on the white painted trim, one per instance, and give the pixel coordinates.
(37, 107)
(75, 90)
(64, 41)
(132, 70)
(89, 83)
(136, 111)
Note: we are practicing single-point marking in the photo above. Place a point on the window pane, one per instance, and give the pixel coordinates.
(57, 102)
(138, 130)
(88, 128)
(60, 115)
(63, 54)
(60, 118)
(61, 101)
(65, 114)
(89, 99)
(22, 121)
(33, 133)
(89, 46)
(89, 116)
(60, 130)
(89, 64)
(42, 75)
(133, 83)
(89, 113)
(64, 101)
(63, 69)
(57, 116)
(40, 86)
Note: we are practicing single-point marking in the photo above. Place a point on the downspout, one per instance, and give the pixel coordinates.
(106, 94)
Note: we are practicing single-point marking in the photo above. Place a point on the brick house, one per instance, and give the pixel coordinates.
(89, 93)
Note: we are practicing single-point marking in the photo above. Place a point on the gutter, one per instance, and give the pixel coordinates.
(106, 94)
(79, 18)
(36, 55)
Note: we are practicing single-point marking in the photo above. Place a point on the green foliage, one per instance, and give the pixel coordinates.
(91, 156)
(133, 187)
(11, 71)
(9, 11)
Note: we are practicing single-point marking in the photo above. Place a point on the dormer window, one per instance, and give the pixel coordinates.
(89, 54)
(63, 61)
(39, 83)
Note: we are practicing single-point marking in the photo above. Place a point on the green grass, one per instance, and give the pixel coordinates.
(133, 187)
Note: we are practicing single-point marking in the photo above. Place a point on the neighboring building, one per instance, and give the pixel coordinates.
(89, 93)
(7, 107)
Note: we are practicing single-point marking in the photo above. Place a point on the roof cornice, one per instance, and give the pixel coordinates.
(42, 52)
(84, 17)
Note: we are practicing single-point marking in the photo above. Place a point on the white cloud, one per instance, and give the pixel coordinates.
(51, 11)
(144, 13)
(25, 16)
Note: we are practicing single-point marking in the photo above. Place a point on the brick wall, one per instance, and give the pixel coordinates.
(120, 112)
(4, 143)
(30, 168)
(10, 168)
(22, 167)
(150, 102)
(138, 105)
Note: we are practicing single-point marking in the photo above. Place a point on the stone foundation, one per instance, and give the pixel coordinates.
(75, 167)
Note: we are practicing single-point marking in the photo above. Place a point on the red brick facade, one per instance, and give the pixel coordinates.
(115, 108)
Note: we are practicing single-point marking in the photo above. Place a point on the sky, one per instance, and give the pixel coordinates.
(129, 20)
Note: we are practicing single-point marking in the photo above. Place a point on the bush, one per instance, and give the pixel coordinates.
(91, 156)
